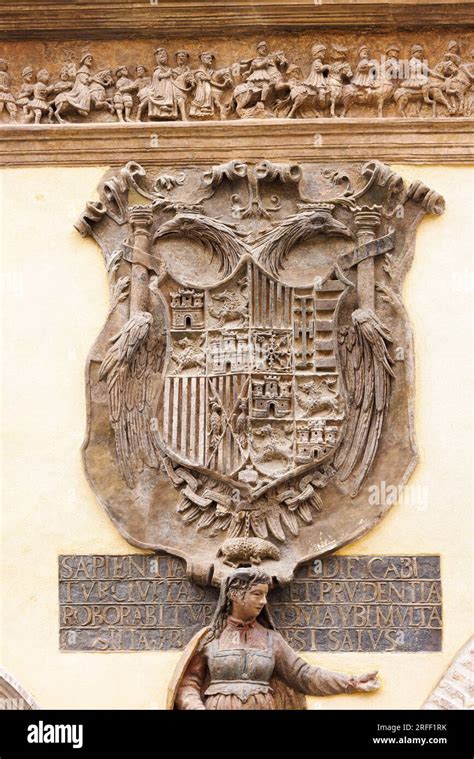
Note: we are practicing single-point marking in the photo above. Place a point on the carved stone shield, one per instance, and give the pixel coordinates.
(251, 389)
(251, 395)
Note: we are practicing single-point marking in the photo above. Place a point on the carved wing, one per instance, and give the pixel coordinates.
(274, 247)
(132, 370)
(367, 370)
(218, 237)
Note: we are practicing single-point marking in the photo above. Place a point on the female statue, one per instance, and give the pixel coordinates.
(241, 662)
(162, 101)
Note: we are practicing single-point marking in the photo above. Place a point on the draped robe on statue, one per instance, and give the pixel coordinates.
(248, 667)
(162, 94)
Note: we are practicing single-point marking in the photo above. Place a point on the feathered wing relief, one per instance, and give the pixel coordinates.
(273, 249)
(368, 373)
(219, 238)
(132, 370)
(244, 380)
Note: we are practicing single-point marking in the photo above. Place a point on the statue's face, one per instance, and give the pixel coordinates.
(250, 604)
(88, 60)
(162, 56)
(181, 59)
(207, 60)
(140, 71)
(262, 49)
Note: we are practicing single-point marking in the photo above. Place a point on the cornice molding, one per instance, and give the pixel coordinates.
(427, 141)
(109, 19)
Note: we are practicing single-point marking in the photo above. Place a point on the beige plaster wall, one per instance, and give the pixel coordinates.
(55, 298)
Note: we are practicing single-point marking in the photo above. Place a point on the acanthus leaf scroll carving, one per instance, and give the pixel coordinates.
(253, 381)
(334, 80)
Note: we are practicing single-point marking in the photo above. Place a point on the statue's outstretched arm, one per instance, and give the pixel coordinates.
(316, 681)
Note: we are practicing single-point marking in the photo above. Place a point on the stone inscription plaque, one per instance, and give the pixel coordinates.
(129, 603)
(340, 603)
(362, 603)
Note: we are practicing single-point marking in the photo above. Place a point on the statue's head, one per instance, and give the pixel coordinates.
(27, 74)
(318, 51)
(207, 58)
(393, 51)
(182, 57)
(243, 595)
(161, 55)
(246, 592)
(43, 76)
(86, 60)
(417, 51)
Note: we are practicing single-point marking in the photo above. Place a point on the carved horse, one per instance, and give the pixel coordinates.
(457, 87)
(336, 92)
(431, 93)
(246, 100)
(98, 97)
(247, 97)
(376, 96)
(299, 98)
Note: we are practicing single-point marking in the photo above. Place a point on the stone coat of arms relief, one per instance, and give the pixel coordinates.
(254, 377)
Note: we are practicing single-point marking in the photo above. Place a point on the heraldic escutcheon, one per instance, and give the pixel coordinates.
(255, 374)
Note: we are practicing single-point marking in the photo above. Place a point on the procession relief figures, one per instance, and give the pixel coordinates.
(337, 81)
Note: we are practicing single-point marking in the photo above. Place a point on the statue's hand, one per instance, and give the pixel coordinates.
(367, 682)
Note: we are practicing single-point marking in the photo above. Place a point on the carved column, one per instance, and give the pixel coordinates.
(367, 220)
(140, 219)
